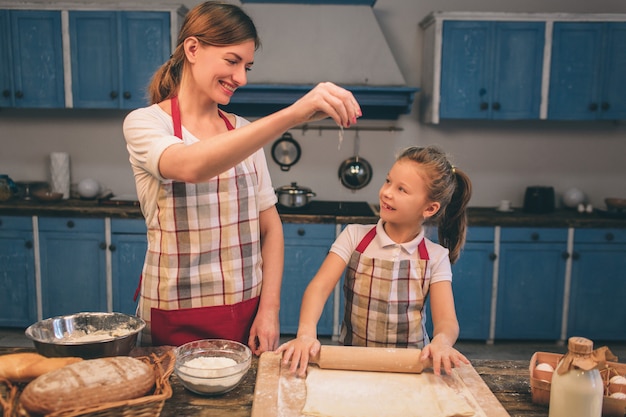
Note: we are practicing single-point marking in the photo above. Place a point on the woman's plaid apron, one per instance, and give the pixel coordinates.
(384, 299)
(202, 275)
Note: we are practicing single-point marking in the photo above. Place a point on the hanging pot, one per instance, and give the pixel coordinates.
(294, 196)
(355, 172)
(286, 151)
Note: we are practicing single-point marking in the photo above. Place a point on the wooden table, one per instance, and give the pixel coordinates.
(507, 379)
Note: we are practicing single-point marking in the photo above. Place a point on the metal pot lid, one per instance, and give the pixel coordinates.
(286, 151)
(293, 188)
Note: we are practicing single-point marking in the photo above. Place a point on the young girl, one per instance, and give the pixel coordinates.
(392, 267)
(214, 263)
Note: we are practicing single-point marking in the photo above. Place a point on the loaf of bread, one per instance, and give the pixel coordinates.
(88, 383)
(24, 367)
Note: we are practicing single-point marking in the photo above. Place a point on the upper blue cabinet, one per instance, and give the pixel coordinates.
(491, 70)
(114, 55)
(523, 66)
(587, 71)
(31, 59)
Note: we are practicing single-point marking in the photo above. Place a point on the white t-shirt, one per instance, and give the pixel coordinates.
(148, 132)
(382, 247)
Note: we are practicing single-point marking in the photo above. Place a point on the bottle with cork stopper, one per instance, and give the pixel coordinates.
(577, 389)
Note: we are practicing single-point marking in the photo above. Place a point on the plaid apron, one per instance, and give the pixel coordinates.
(384, 299)
(202, 275)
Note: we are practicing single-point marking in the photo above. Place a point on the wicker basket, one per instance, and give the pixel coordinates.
(146, 406)
(540, 383)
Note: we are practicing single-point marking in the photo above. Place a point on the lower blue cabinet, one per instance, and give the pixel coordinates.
(17, 272)
(128, 251)
(73, 265)
(531, 280)
(306, 247)
(598, 285)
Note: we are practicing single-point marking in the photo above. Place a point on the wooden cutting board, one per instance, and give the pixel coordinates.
(278, 393)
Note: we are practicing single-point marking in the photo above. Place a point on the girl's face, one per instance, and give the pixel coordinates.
(403, 197)
(218, 71)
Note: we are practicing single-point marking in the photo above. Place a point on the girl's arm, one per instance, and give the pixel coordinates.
(445, 329)
(265, 330)
(317, 292)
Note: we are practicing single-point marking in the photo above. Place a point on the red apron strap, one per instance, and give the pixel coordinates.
(367, 239)
(178, 130)
(423, 252)
(229, 125)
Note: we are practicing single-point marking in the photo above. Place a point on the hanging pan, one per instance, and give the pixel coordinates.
(286, 151)
(355, 172)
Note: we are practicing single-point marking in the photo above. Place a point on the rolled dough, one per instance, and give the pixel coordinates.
(335, 393)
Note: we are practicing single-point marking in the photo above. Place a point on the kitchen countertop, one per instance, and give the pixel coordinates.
(507, 379)
(477, 216)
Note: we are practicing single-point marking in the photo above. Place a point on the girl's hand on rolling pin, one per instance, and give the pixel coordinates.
(299, 351)
(328, 100)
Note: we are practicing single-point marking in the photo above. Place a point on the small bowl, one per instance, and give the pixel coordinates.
(86, 335)
(212, 366)
(47, 195)
(615, 203)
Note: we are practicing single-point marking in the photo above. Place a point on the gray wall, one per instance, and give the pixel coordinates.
(502, 158)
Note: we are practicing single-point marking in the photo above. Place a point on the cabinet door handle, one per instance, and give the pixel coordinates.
(534, 236)
(19, 94)
(112, 248)
(28, 244)
(609, 237)
(6, 93)
(605, 106)
(127, 94)
(114, 94)
(484, 105)
(102, 245)
(565, 255)
(301, 232)
(495, 106)
(593, 106)
(70, 224)
(493, 256)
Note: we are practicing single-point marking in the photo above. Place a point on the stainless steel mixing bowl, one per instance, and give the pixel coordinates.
(86, 335)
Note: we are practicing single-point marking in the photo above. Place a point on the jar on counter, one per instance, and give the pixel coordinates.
(577, 389)
(7, 188)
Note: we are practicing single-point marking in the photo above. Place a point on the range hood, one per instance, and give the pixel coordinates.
(305, 44)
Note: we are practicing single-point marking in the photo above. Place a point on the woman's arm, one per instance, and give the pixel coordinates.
(265, 330)
(207, 158)
(445, 329)
(317, 292)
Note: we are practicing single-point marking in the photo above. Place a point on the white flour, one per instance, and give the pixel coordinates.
(209, 375)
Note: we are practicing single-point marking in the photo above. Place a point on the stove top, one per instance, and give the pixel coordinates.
(331, 208)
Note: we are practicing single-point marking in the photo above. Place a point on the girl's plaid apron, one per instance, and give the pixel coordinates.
(385, 299)
(202, 275)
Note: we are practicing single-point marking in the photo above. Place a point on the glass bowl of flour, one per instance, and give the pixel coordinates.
(212, 366)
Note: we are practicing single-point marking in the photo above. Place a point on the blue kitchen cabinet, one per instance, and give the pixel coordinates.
(587, 71)
(31, 51)
(17, 272)
(598, 285)
(73, 265)
(306, 247)
(491, 70)
(472, 278)
(114, 55)
(531, 279)
(128, 251)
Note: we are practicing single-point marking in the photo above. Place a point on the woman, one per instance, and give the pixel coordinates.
(214, 263)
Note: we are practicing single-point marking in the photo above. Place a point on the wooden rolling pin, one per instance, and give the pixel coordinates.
(354, 358)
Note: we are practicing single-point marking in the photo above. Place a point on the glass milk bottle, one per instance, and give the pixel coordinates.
(577, 388)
